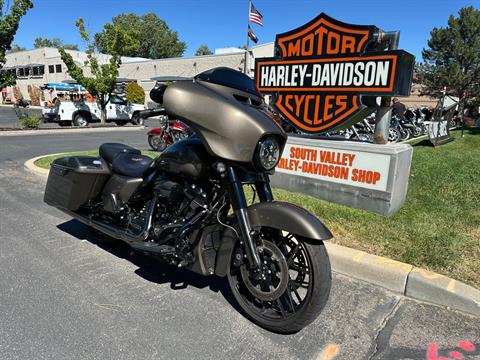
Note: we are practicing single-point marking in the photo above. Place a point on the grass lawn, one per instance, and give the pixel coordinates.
(438, 228)
(46, 161)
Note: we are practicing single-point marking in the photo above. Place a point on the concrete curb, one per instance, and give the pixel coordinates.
(30, 166)
(396, 276)
(69, 131)
(405, 279)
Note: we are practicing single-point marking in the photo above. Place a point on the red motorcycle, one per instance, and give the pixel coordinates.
(171, 132)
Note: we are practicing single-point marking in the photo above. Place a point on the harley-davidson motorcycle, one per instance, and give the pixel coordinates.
(188, 206)
(169, 133)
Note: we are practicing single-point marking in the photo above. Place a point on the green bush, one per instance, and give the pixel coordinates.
(135, 93)
(30, 122)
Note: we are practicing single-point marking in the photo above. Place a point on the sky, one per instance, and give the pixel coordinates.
(220, 23)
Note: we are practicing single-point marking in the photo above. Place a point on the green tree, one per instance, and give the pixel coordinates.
(101, 84)
(16, 48)
(40, 42)
(145, 36)
(9, 21)
(452, 59)
(135, 93)
(203, 50)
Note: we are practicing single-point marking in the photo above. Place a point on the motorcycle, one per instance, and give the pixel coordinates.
(188, 206)
(394, 132)
(410, 122)
(362, 131)
(169, 133)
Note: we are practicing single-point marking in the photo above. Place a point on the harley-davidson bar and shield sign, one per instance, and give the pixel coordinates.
(325, 72)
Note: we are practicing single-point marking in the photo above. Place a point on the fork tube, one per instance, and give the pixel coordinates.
(239, 205)
(264, 190)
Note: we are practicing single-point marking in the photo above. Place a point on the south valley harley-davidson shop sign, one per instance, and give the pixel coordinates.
(324, 69)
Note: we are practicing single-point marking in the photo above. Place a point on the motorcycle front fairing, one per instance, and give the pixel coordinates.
(228, 116)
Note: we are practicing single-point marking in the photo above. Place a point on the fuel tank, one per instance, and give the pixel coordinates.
(187, 158)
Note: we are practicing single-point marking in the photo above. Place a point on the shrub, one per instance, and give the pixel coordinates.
(30, 122)
(135, 93)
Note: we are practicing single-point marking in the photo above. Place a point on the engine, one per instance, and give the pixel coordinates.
(178, 205)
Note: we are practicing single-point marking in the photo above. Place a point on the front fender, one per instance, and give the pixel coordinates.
(155, 131)
(288, 217)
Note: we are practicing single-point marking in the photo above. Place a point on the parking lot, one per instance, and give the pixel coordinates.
(9, 119)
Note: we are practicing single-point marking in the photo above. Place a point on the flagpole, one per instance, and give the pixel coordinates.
(248, 39)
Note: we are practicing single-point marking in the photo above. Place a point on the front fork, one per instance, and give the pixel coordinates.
(239, 205)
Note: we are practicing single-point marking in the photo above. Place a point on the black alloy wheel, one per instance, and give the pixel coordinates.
(292, 288)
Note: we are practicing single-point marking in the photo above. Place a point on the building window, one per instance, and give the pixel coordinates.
(51, 69)
(35, 71)
(21, 72)
(41, 70)
(58, 68)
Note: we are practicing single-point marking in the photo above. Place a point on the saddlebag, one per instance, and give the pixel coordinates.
(74, 181)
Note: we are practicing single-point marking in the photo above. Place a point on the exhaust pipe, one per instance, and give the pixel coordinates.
(124, 235)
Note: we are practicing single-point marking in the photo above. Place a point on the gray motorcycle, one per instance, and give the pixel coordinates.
(188, 206)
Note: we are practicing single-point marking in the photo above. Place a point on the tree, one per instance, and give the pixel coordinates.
(40, 42)
(452, 59)
(135, 93)
(146, 36)
(9, 21)
(203, 50)
(16, 48)
(104, 76)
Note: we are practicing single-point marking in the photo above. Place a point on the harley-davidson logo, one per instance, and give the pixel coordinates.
(323, 69)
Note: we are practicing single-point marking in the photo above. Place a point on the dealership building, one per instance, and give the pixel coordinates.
(37, 67)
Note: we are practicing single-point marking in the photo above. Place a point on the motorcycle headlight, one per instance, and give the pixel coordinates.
(268, 153)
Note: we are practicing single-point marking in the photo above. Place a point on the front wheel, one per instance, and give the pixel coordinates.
(405, 134)
(157, 142)
(393, 135)
(292, 288)
(417, 131)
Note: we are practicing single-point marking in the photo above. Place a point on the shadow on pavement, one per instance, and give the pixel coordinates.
(149, 267)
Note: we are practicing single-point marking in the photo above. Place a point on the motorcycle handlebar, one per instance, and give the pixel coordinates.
(152, 112)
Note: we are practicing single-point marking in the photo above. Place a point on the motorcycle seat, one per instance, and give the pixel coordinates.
(132, 165)
(109, 151)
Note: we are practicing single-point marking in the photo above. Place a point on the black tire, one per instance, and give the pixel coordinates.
(80, 120)
(286, 316)
(417, 131)
(156, 142)
(121, 123)
(393, 135)
(406, 134)
(137, 119)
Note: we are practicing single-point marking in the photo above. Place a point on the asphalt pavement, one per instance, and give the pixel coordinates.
(65, 297)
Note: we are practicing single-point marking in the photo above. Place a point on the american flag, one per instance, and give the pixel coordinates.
(254, 15)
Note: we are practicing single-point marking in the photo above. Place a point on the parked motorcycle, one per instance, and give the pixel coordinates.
(188, 206)
(169, 133)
